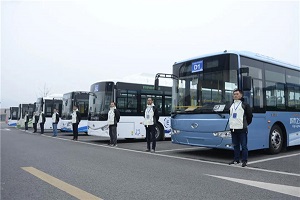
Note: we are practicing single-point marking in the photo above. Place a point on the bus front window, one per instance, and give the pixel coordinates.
(206, 91)
(99, 100)
(39, 104)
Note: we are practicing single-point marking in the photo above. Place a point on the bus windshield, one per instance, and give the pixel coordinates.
(14, 113)
(99, 100)
(81, 99)
(67, 106)
(207, 89)
(39, 106)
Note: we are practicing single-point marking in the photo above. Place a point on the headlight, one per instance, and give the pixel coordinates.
(174, 131)
(223, 134)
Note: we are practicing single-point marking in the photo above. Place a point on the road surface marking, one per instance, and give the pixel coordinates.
(284, 189)
(274, 158)
(70, 189)
(181, 158)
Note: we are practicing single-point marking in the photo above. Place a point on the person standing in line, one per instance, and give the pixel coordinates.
(26, 120)
(34, 122)
(75, 121)
(151, 119)
(55, 119)
(239, 119)
(113, 119)
(42, 120)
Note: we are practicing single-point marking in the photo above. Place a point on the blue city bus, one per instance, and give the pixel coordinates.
(202, 95)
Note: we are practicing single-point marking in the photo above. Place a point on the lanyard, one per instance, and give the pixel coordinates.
(148, 110)
(237, 106)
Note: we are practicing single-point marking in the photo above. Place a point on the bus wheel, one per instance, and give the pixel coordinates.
(275, 140)
(159, 132)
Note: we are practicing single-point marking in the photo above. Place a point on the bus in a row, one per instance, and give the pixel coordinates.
(202, 95)
(22, 110)
(70, 99)
(131, 101)
(46, 105)
(13, 116)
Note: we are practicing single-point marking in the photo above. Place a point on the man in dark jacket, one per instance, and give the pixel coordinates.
(112, 121)
(76, 118)
(26, 120)
(42, 120)
(151, 119)
(35, 119)
(239, 119)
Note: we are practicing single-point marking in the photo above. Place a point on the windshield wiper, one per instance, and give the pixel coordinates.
(222, 116)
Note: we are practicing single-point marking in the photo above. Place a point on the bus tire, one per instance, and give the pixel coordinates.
(276, 140)
(159, 132)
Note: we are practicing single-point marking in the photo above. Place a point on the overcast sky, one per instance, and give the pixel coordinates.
(69, 45)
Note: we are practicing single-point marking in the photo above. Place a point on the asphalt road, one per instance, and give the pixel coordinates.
(35, 166)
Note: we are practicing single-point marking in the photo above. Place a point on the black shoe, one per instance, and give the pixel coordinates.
(234, 162)
(244, 164)
(147, 150)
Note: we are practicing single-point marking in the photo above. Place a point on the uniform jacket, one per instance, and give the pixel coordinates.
(240, 116)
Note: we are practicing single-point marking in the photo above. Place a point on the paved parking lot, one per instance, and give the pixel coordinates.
(287, 161)
(184, 171)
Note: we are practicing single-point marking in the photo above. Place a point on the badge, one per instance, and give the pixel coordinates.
(234, 115)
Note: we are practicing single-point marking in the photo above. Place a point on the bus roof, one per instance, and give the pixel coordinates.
(86, 92)
(53, 96)
(248, 54)
(141, 78)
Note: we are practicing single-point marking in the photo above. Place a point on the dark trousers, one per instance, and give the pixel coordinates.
(238, 140)
(150, 136)
(75, 131)
(26, 125)
(34, 127)
(113, 134)
(42, 128)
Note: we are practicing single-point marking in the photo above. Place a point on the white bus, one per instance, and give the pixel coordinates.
(47, 104)
(81, 99)
(23, 108)
(13, 116)
(131, 101)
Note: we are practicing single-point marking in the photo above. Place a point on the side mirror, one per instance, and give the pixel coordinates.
(247, 83)
(156, 83)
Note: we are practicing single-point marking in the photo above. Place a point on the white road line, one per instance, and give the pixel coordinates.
(284, 189)
(274, 158)
(181, 158)
(182, 149)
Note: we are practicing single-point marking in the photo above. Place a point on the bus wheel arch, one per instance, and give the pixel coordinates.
(277, 138)
(160, 132)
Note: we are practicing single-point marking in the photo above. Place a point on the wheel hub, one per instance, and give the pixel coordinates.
(276, 139)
